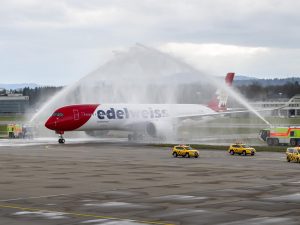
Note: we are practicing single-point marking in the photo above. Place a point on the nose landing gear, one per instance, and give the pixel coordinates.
(61, 139)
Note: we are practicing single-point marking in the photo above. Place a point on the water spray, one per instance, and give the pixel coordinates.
(127, 78)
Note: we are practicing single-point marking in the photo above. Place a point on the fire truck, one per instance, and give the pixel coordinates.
(281, 135)
(14, 131)
(19, 131)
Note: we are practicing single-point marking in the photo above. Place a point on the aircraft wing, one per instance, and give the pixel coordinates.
(222, 113)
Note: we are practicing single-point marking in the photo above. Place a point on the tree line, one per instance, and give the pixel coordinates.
(257, 91)
(39, 94)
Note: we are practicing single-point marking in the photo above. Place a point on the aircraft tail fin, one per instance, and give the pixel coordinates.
(219, 101)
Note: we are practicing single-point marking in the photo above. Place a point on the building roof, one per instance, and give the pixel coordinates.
(296, 98)
(10, 98)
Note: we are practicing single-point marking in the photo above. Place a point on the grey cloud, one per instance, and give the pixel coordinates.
(47, 30)
(248, 22)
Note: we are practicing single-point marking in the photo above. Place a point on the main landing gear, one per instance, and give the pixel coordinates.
(61, 139)
(136, 137)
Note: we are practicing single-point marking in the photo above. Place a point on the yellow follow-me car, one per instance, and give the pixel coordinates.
(241, 149)
(293, 154)
(185, 151)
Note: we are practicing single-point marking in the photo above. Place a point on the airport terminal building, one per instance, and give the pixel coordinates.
(13, 104)
(288, 107)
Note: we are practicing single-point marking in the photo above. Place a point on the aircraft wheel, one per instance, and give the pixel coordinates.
(270, 141)
(293, 142)
(130, 137)
(275, 141)
(61, 141)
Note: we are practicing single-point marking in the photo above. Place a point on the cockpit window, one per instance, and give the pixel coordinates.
(58, 114)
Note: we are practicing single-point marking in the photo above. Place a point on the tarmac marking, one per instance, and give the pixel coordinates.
(270, 159)
(33, 197)
(81, 214)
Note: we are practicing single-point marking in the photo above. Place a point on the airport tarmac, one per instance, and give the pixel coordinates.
(119, 183)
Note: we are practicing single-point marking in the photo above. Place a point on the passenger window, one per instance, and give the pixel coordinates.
(292, 133)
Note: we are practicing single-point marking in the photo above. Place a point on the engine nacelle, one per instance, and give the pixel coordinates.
(159, 129)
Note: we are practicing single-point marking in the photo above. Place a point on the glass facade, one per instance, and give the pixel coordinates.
(14, 105)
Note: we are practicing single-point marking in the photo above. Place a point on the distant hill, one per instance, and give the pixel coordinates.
(19, 86)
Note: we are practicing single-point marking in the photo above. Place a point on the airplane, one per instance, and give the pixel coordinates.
(154, 120)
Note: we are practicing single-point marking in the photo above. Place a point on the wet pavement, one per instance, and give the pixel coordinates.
(118, 183)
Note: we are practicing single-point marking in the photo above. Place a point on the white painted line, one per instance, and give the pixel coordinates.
(271, 159)
(34, 197)
(45, 214)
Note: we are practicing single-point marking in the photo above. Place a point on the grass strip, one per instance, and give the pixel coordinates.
(12, 118)
(3, 128)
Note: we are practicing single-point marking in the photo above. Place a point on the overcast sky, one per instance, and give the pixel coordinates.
(56, 42)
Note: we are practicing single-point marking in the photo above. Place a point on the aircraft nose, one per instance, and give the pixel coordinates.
(50, 124)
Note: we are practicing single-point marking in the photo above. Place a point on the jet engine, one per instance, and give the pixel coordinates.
(161, 129)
